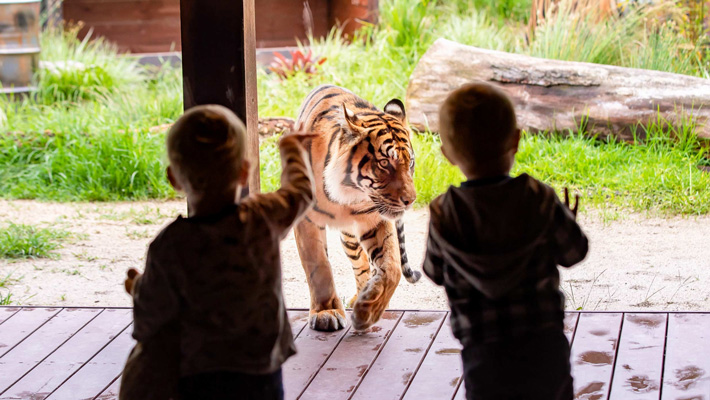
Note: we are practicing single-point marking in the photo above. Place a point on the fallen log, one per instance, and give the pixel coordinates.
(551, 95)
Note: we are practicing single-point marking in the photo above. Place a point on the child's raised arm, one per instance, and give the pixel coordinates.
(570, 243)
(283, 207)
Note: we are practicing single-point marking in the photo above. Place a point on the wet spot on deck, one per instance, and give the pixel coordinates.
(627, 367)
(593, 391)
(648, 321)
(375, 329)
(448, 351)
(322, 338)
(454, 382)
(614, 342)
(414, 350)
(406, 377)
(361, 369)
(377, 347)
(599, 332)
(641, 384)
(390, 315)
(687, 377)
(414, 321)
(39, 396)
(596, 358)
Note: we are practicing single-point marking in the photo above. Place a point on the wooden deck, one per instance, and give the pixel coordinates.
(78, 353)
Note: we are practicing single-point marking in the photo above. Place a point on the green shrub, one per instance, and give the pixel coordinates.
(73, 69)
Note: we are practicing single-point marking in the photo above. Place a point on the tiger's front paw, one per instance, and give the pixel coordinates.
(369, 306)
(328, 320)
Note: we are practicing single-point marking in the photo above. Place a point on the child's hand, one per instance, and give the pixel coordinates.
(576, 203)
(131, 276)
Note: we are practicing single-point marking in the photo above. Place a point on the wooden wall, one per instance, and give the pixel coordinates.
(151, 26)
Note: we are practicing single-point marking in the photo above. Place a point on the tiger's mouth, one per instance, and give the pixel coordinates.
(391, 213)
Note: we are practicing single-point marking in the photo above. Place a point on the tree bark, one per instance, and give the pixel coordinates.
(551, 95)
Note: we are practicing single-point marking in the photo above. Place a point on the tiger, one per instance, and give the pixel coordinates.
(363, 165)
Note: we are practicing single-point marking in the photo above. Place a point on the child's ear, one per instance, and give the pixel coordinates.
(244, 173)
(173, 181)
(448, 158)
(515, 141)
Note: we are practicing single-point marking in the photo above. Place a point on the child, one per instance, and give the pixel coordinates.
(217, 273)
(494, 244)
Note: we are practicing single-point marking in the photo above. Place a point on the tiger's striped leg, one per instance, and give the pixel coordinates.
(382, 249)
(361, 265)
(327, 312)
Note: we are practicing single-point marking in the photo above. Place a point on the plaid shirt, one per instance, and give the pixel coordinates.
(495, 246)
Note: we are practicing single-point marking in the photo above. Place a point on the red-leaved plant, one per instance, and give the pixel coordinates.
(286, 68)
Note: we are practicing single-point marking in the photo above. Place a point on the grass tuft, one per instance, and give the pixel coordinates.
(18, 241)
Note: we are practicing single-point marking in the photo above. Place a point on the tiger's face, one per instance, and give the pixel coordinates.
(375, 161)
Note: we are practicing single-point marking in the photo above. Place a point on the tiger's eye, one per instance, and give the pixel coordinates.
(384, 163)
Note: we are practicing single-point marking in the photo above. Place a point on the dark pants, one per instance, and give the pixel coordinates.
(224, 385)
(534, 366)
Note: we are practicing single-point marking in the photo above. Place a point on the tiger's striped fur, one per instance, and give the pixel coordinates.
(363, 162)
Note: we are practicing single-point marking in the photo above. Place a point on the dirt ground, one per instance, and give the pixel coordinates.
(636, 261)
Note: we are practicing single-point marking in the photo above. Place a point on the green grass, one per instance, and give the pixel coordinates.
(89, 135)
(18, 241)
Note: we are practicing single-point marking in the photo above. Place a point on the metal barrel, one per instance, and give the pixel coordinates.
(19, 44)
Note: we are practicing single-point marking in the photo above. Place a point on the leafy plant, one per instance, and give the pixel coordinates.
(285, 68)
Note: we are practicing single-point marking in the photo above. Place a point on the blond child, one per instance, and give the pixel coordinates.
(495, 243)
(214, 278)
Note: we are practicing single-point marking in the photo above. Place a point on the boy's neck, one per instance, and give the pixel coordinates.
(474, 175)
(210, 204)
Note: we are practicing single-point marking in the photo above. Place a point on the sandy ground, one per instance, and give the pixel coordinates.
(636, 261)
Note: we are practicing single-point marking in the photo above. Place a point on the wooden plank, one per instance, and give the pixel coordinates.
(298, 321)
(23, 323)
(593, 352)
(570, 322)
(99, 372)
(350, 361)
(440, 372)
(687, 368)
(639, 361)
(44, 341)
(7, 312)
(313, 348)
(394, 368)
(68, 358)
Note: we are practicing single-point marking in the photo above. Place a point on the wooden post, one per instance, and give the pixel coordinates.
(219, 63)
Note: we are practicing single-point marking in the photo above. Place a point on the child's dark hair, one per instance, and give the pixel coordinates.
(478, 120)
(206, 147)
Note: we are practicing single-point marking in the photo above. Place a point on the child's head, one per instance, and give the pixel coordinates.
(206, 149)
(479, 131)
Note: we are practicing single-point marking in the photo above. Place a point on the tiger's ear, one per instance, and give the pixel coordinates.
(354, 122)
(395, 108)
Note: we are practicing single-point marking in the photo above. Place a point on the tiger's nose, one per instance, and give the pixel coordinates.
(407, 200)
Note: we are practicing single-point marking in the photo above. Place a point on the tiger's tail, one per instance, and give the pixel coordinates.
(410, 275)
